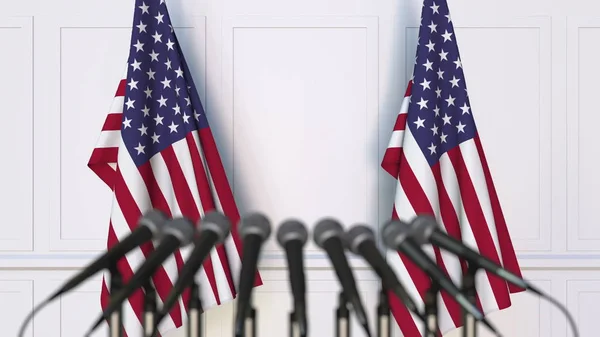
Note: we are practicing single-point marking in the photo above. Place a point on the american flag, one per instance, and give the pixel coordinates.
(156, 150)
(436, 156)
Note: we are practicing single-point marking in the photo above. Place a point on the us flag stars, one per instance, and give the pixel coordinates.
(157, 98)
(439, 111)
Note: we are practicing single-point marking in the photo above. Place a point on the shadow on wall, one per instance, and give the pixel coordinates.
(397, 73)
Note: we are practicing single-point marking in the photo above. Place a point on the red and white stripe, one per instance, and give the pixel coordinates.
(186, 179)
(459, 192)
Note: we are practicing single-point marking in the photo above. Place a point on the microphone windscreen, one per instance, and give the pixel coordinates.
(394, 232)
(182, 229)
(357, 235)
(422, 228)
(255, 223)
(216, 222)
(325, 229)
(291, 230)
(155, 220)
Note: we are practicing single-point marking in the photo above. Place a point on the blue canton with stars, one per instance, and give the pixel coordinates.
(161, 102)
(439, 113)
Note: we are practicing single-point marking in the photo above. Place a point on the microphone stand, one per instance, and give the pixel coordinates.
(383, 315)
(115, 321)
(431, 310)
(149, 308)
(250, 329)
(342, 315)
(468, 285)
(294, 331)
(194, 326)
(249, 323)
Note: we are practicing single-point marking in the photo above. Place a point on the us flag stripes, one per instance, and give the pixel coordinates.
(436, 156)
(156, 150)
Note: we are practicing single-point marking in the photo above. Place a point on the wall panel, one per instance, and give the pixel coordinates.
(301, 99)
(16, 178)
(583, 182)
(89, 57)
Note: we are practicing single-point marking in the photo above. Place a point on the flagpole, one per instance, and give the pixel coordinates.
(468, 285)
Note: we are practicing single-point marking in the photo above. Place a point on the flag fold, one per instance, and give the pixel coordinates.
(435, 155)
(156, 150)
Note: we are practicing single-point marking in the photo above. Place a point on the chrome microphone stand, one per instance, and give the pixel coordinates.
(383, 315)
(342, 315)
(149, 309)
(115, 322)
(194, 326)
(294, 330)
(250, 322)
(431, 310)
(468, 287)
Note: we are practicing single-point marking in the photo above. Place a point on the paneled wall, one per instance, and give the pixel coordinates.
(302, 96)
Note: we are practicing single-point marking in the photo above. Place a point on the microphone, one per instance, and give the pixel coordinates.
(292, 236)
(253, 230)
(213, 229)
(177, 233)
(425, 229)
(360, 240)
(150, 226)
(328, 236)
(396, 236)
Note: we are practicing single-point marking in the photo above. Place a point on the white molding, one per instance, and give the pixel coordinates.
(370, 24)
(69, 261)
(577, 242)
(19, 223)
(49, 145)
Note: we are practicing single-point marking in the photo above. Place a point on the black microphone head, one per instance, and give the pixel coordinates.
(155, 220)
(216, 222)
(291, 230)
(325, 229)
(255, 223)
(181, 228)
(357, 235)
(394, 232)
(422, 228)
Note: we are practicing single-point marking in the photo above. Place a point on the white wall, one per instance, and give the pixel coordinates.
(310, 89)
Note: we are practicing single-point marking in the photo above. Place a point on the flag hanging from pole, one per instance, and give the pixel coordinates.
(156, 150)
(437, 158)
